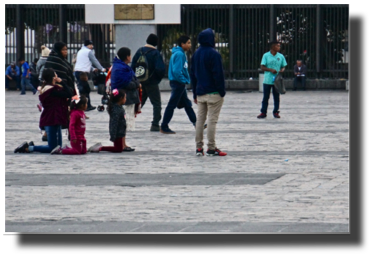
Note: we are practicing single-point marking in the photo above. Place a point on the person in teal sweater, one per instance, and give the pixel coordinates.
(179, 77)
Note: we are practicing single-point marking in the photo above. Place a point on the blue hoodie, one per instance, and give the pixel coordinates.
(178, 68)
(121, 75)
(207, 74)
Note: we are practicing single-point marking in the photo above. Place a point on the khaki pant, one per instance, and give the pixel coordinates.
(208, 104)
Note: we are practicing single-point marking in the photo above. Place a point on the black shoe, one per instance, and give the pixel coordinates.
(44, 138)
(167, 131)
(34, 92)
(22, 148)
(22, 93)
(262, 115)
(90, 108)
(276, 115)
(155, 128)
(128, 149)
(199, 152)
(215, 152)
(31, 143)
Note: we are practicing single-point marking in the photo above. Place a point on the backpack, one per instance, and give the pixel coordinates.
(142, 67)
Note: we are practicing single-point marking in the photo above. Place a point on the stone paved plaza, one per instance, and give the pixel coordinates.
(287, 175)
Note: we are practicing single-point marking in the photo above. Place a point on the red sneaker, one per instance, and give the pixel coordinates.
(215, 152)
(262, 115)
(276, 115)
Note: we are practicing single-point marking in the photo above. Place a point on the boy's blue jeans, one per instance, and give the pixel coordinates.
(26, 82)
(178, 96)
(266, 96)
(54, 138)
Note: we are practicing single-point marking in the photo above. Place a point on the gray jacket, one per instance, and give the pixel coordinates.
(40, 66)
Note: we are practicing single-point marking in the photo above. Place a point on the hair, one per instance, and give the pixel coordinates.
(48, 75)
(152, 39)
(58, 46)
(273, 43)
(182, 40)
(114, 99)
(123, 53)
(83, 100)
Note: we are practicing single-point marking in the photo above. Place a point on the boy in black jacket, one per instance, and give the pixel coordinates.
(150, 88)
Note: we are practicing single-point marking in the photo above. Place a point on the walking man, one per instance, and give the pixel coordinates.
(208, 86)
(179, 77)
(272, 63)
(84, 61)
(156, 69)
(25, 80)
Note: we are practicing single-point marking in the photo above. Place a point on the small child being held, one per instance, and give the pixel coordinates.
(77, 129)
(117, 123)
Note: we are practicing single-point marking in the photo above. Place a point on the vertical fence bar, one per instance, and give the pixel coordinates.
(231, 41)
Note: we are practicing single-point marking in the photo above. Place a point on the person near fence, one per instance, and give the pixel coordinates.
(42, 60)
(272, 63)
(300, 70)
(117, 123)
(179, 77)
(26, 78)
(84, 61)
(123, 78)
(12, 73)
(208, 87)
(33, 73)
(77, 128)
(150, 87)
(53, 96)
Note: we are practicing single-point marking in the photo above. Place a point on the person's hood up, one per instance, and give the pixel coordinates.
(177, 49)
(206, 38)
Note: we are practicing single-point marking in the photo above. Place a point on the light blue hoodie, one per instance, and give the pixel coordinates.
(178, 67)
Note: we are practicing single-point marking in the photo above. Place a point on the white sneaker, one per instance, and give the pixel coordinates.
(56, 150)
(95, 148)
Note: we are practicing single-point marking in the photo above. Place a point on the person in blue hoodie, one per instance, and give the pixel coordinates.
(123, 78)
(179, 77)
(208, 86)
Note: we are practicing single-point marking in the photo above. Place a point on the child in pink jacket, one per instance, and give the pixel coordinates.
(77, 129)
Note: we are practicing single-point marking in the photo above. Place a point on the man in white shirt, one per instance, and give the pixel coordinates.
(84, 61)
(299, 70)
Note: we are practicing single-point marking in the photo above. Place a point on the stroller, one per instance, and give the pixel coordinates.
(100, 79)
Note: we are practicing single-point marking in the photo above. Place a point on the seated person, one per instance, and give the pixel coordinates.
(299, 70)
(12, 73)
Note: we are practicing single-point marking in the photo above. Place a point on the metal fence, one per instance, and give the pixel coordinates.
(32, 26)
(316, 34)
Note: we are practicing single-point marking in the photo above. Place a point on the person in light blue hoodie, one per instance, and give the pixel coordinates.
(179, 77)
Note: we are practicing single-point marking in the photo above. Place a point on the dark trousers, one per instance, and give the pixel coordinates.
(266, 96)
(15, 78)
(80, 87)
(296, 80)
(152, 92)
(54, 138)
(178, 97)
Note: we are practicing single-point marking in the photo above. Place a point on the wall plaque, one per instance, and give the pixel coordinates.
(134, 12)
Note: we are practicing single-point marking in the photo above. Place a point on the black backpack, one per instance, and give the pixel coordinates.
(142, 67)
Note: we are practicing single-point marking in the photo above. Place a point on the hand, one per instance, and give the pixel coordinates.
(74, 141)
(10, 78)
(95, 70)
(140, 86)
(195, 101)
(57, 79)
(282, 70)
(27, 76)
(103, 70)
(274, 71)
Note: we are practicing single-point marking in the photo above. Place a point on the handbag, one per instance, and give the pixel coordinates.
(279, 84)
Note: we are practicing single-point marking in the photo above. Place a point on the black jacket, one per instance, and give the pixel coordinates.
(303, 69)
(132, 92)
(117, 122)
(157, 67)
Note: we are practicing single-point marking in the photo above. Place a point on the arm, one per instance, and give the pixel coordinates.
(218, 74)
(193, 79)
(73, 119)
(284, 64)
(177, 71)
(264, 68)
(160, 68)
(94, 61)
